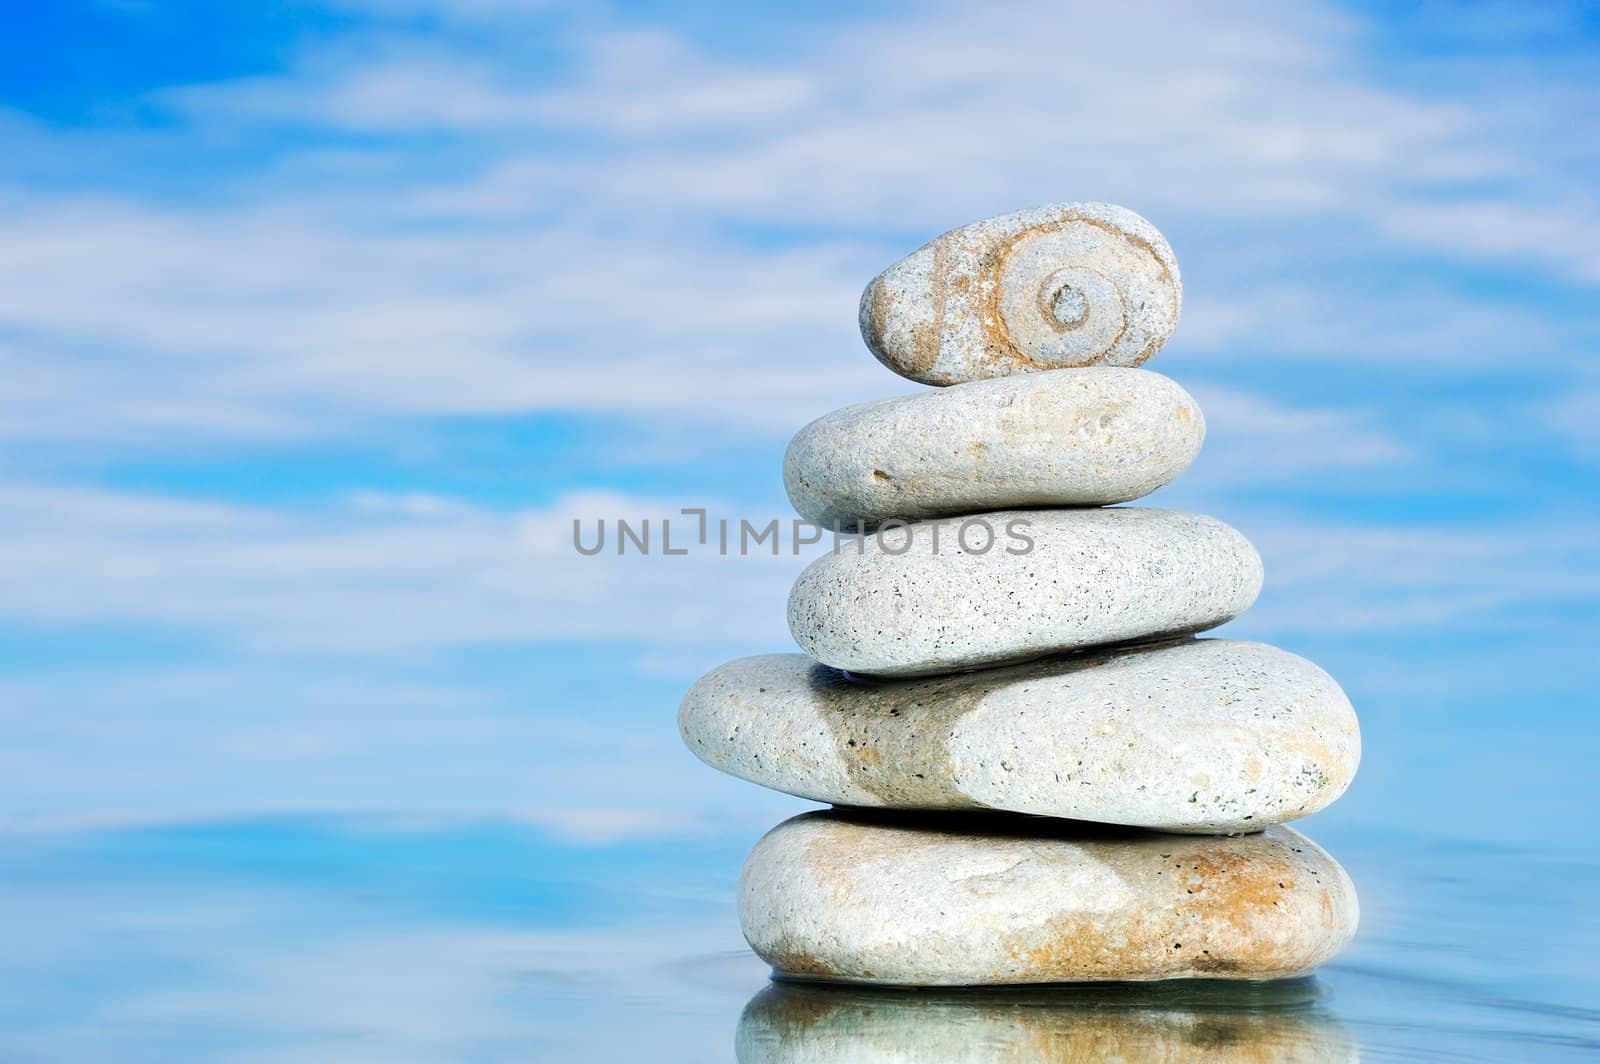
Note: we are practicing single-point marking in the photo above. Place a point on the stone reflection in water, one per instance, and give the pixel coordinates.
(1190, 1021)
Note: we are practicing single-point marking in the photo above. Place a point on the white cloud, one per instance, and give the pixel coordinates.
(1251, 439)
(448, 10)
(328, 633)
(267, 321)
(1341, 579)
(432, 224)
(367, 577)
(1410, 324)
(1258, 111)
(584, 242)
(1576, 418)
(1565, 235)
(291, 734)
(407, 575)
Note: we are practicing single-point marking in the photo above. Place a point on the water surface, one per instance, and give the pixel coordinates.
(387, 938)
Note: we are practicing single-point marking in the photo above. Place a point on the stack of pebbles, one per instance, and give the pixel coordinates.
(1041, 775)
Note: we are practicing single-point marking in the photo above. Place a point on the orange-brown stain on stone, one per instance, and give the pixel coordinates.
(1224, 912)
(1002, 347)
(926, 337)
(1071, 948)
(1246, 902)
(791, 960)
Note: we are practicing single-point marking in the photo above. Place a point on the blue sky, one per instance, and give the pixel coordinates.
(320, 322)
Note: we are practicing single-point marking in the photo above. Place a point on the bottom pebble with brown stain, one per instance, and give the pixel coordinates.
(992, 900)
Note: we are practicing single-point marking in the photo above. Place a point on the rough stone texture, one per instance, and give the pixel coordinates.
(1074, 437)
(1206, 735)
(1071, 284)
(999, 900)
(1091, 576)
(1185, 1022)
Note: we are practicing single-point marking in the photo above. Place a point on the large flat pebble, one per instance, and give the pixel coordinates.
(1209, 735)
(928, 902)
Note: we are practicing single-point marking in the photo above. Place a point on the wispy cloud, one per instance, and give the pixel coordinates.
(334, 639)
(1576, 418)
(586, 241)
(374, 575)
(408, 575)
(440, 214)
(1252, 439)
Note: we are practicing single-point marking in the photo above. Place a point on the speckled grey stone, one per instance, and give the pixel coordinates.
(1072, 437)
(999, 900)
(1178, 1022)
(1071, 284)
(1209, 735)
(1090, 577)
